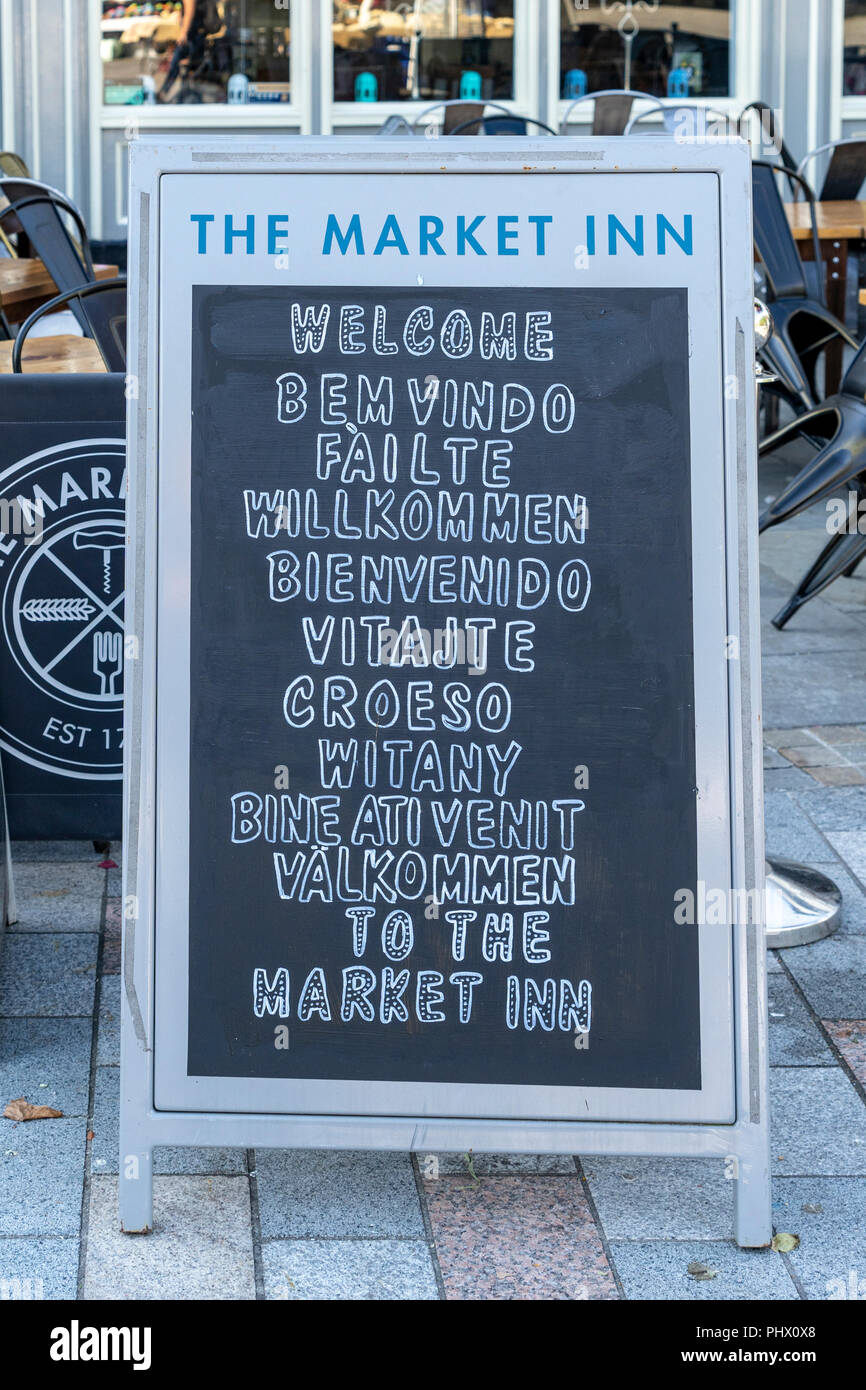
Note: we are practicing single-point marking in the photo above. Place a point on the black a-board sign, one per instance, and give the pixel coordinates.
(443, 724)
(62, 563)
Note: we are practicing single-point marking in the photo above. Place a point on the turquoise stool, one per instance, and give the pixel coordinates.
(470, 86)
(575, 84)
(678, 82)
(366, 87)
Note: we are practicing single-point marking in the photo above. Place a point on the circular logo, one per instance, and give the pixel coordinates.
(62, 586)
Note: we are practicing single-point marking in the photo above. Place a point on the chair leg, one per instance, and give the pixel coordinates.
(841, 554)
(834, 466)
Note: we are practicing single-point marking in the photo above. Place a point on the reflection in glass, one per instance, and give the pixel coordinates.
(429, 50)
(678, 50)
(854, 69)
(194, 51)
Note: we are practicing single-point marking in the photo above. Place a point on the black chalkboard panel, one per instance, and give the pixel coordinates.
(62, 494)
(423, 439)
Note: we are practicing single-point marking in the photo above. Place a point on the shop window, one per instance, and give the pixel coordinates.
(854, 67)
(430, 50)
(195, 51)
(667, 50)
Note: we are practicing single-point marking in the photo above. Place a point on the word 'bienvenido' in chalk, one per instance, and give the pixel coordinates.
(464, 234)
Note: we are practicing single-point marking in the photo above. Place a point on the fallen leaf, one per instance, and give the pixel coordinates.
(21, 1109)
(784, 1242)
(91, 1134)
(700, 1271)
(813, 1208)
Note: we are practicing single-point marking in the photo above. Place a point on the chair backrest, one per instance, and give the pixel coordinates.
(767, 117)
(456, 112)
(774, 239)
(503, 125)
(395, 125)
(611, 110)
(102, 306)
(12, 165)
(846, 170)
(686, 119)
(39, 211)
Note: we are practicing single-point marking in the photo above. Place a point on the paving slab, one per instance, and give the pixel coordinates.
(36, 1268)
(850, 845)
(834, 808)
(795, 1039)
(787, 779)
(850, 1038)
(510, 1238)
(818, 1123)
(42, 851)
(58, 896)
(441, 1165)
(47, 976)
(111, 937)
(832, 975)
(41, 1177)
(661, 1198)
(789, 832)
(108, 1037)
(104, 1147)
(201, 1246)
(656, 1269)
(797, 686)
(47, 1061)
(829, 1216)
(348, 1270)
(330, 1193)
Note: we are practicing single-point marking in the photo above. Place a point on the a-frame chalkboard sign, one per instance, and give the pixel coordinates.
(443, 823)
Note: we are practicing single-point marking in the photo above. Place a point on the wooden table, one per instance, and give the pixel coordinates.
(841, 233)
(25, 284)
(63, 353)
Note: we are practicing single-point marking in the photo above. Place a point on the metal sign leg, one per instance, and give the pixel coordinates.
(753, 1222)
(135, 1191)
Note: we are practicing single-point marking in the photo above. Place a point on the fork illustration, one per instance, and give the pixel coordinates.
(107, 659)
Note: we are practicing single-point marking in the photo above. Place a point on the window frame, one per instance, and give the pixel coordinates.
(745, 66)
(341, 115)
(294, 114)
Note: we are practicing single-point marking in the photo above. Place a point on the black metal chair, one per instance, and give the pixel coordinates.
(767, 118)
(39, 211)
(102, 305)
(501, 125)
(846, 170)
(840, 556)
(804, 326)
(837, 430)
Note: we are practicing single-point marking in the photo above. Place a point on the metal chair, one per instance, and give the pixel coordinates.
(394, 125)
(678, 115)
(768, 126)
(846, 170)
(38, 210)
(502, 125)
(611, 110)
(804, 326)
(840, 557)
(102, 306)
(457, 112)
(13, 166)
(837, 430)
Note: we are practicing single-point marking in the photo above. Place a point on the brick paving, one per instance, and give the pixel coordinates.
(233, 1224)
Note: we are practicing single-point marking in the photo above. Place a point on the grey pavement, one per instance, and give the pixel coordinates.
(233, 1224)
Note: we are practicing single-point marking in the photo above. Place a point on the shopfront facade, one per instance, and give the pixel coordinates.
(79, 79)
